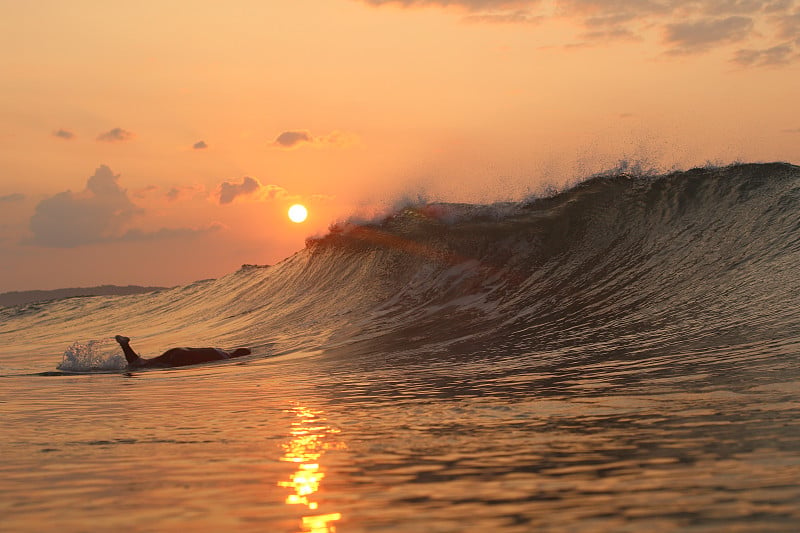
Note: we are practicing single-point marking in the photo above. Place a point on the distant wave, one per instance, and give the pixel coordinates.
(26, 297)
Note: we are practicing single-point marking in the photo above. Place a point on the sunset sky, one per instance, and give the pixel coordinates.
(161, 142)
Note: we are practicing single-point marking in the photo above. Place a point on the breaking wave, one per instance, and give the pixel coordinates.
(619, 267)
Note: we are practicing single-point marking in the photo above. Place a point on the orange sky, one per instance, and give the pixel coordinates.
(349, 106)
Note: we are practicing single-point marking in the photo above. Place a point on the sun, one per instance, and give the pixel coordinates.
(298, 213)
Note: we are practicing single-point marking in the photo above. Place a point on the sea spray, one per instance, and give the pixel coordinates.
(97, 355)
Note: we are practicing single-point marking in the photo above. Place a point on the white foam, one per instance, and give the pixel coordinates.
(92, 356)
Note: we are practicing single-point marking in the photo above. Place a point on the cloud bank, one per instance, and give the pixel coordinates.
(94, 215)
(682, 26)
(100, 213)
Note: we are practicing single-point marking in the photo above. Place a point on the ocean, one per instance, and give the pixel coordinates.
(619, 356)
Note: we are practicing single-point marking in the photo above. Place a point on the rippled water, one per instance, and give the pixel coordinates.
(312, 443)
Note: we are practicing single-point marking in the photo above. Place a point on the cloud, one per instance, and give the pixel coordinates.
(790, 25)
(94, 215)
(13, 197)
(64, 134)
(145, 191)
(181, 193)
(723, 7)
(776, 56)
(137, 235)
(777, 5)
(290, 139)
(200, 145)
(295, 138)
(115, 135)
(100, 213)
(700, 35)
(610, 34)
(518, 16)
(338, 138)
(174, 194)
(271, 192)
(229, 191)
(604, 12)
(481, 11)
(469, 4)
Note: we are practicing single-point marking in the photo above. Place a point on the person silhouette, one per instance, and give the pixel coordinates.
(177, 356)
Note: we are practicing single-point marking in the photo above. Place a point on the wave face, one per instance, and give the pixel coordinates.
(619, 268)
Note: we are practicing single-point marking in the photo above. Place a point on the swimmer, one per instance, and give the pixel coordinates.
(177, 356)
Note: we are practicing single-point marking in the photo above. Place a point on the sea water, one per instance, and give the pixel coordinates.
(622, 356)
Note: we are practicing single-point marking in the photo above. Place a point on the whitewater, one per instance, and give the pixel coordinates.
(619, 356)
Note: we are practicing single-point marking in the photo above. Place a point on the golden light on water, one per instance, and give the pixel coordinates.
(321, 523)
(309, 440)
(298, 213)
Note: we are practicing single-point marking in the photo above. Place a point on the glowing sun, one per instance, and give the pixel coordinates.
(298, 213)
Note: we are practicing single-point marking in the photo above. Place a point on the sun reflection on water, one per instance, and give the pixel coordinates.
(310, 438)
